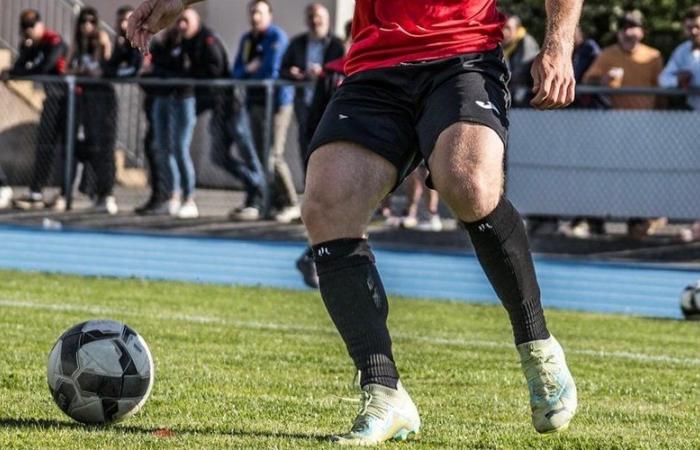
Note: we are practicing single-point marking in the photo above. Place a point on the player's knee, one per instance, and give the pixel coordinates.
(472, 195)
(316, 210)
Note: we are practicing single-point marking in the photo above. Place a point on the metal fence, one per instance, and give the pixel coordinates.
(577, 162)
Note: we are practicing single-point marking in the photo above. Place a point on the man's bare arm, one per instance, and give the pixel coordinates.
(150, 17)
(552, 70)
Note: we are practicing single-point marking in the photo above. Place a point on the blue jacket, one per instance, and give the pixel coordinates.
(273, 46)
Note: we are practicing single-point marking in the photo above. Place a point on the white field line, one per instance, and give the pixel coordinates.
(271, 326)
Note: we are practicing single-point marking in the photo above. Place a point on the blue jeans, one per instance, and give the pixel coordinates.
(174, 120)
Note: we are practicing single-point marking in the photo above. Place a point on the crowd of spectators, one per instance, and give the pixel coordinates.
(237, 116)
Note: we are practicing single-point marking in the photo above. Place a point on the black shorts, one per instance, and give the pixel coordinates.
(399, 112)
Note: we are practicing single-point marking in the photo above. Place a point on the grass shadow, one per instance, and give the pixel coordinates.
(49, 424)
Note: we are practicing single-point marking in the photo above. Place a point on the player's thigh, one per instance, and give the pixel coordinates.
(463, 130)
(345, 183)
(363, 146)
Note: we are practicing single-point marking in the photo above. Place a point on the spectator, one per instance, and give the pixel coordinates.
(683, 71)
(520, 50)
(304, 60)
(229, 121)
(5, 191)
(260, 57)
(159, 200)
(174, 118)
(96, 112)
(630, 63)
(126, 61)
(586, 50)
(42, 52)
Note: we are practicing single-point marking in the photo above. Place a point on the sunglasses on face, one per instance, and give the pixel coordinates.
(27, 26)
(85, 20)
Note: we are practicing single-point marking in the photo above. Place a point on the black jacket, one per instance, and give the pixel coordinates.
(125, 62)
(170, 61)
(47, 57)
(208, 59)
(296, 55)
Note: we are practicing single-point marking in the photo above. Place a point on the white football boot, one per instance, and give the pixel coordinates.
(385, 414)
(552, 390)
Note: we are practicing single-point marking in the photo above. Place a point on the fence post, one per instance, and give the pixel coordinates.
(267, 162)
(70, 143)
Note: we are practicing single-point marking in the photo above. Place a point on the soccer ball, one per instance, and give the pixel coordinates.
(690, 302)
(100, 372)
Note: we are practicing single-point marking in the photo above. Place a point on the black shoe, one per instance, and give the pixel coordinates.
(141, 210)
(306, 266)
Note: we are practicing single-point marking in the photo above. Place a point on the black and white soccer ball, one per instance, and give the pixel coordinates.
(690, 302)
(100, 372)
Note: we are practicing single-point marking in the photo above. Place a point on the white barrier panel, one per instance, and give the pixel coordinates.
(605, 163)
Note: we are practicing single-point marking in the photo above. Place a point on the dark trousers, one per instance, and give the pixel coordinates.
(230, 124)
(51, 133)
(3, 178)
(96, 135)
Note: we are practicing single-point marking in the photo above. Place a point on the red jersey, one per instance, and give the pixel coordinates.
(388, 32)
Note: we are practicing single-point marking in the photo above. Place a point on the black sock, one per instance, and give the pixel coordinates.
(355, 299)
(502, 247)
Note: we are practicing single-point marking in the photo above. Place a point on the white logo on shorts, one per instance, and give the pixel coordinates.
(343, 116)
(488, 105)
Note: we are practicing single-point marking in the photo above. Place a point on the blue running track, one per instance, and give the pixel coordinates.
(638, 289)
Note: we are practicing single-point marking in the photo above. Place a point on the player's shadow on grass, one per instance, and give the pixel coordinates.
(47, 424)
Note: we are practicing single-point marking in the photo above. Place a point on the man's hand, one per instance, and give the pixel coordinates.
(553, 70)
(149, 18)
(553, 76)
(253, 66)
(296, 73)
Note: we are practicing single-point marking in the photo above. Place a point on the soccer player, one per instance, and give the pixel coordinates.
(426, 81)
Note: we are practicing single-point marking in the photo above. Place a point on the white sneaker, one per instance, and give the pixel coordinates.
(5, 197)
(581, 230)
(245, 214)
(106, 205)
(393, 221)
(188, 210)
(174, 205)
(385, 414)
(288, 214)
(432, 224)
(409, 222)
(553, 398)
(33, 200)
(58, 204)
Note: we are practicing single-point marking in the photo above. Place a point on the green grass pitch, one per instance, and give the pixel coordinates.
(257, 368)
